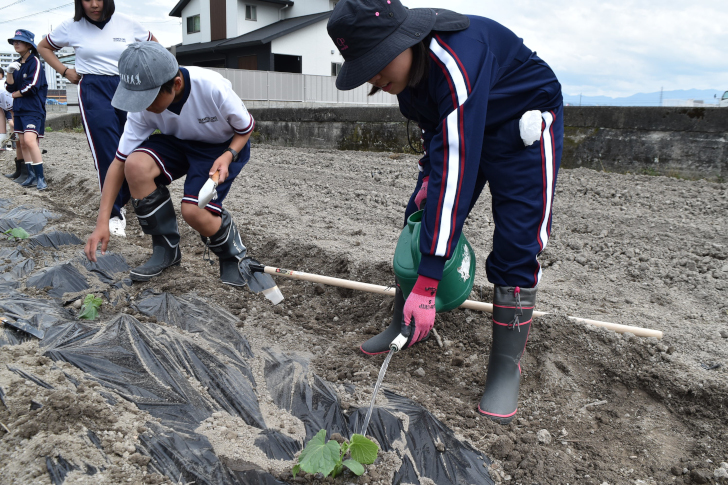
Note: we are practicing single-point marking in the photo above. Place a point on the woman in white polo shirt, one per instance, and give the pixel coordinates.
(99, 36)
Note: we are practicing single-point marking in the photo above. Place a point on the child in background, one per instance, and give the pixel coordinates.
(6, 105)
(27, 82)
(98, 35)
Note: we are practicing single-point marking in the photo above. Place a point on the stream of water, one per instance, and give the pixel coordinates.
(382, 371)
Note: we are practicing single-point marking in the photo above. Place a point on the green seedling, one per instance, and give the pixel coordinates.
(327, 457)
(90, 308)
(17, 233)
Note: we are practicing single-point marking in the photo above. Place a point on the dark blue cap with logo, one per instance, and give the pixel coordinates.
(25, 36)
(371, 33)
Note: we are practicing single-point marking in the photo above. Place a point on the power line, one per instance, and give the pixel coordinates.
(11, 4)
(36, 13)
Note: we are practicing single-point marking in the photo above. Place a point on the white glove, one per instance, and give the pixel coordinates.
(13, 66)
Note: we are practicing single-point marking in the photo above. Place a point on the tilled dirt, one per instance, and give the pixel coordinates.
(596, 406)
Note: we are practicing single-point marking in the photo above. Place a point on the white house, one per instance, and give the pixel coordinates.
(264, 35)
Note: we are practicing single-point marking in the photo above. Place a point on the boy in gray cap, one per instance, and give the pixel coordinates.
(205, 130)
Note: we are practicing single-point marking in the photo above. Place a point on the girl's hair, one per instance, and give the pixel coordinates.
(2, 72)
(420, 66)
(106, 13)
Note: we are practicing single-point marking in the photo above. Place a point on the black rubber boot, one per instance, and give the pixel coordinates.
(18, 164)
(379, 344)
(32, 180)
(157, 217)
(41, 183)
(229, 247)
(512, 315)
(23, 173)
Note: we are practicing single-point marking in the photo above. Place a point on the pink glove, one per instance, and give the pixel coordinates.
(419, 310)
(422, 195)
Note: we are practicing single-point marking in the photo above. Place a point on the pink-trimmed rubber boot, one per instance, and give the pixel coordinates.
(512, 315)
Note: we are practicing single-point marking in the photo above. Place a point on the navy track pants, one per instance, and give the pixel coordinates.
(103, 125)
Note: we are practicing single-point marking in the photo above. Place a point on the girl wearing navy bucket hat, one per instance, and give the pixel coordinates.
(490, 110)
(27, 84)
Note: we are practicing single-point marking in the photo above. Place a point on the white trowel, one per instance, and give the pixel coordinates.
(208, 191)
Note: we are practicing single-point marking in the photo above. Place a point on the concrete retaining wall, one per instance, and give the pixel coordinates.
(684, 142)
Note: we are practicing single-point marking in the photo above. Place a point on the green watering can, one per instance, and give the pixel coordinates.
(457, 278)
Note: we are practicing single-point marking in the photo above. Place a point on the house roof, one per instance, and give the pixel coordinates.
(177, 10)
(261, 36)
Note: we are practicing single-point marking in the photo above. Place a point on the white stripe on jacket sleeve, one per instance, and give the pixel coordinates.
(35, 77)
(451, 178)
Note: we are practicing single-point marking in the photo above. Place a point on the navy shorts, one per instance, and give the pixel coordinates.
(177, 158)
(30, 123)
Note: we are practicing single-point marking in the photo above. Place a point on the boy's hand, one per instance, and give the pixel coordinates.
(100, 235)
(221, 165)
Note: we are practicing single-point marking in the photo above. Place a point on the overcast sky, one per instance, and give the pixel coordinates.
(611, 48)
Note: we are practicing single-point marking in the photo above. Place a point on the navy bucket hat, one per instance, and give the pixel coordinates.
(371, 33)
(25, 36)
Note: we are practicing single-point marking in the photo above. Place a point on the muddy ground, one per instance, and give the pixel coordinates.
(596, 407)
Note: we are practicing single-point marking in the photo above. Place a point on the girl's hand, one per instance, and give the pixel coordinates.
(73, 76)
(17, 94)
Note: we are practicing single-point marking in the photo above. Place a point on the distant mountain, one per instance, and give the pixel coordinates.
(647, 99)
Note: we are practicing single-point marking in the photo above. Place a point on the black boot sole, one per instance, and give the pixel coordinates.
(146, 277)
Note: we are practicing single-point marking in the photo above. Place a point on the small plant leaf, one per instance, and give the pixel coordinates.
(295, 470)
(90, 308)
(17, 233)
(355, 467)
(363, 449)
(320, 456)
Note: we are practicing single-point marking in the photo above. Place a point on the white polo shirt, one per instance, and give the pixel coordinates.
(98, 50)
(209, 112)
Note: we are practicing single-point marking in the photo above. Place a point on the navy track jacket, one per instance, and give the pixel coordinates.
(30, 80)
(479, 78)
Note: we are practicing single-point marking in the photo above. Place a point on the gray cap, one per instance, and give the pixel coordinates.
(143, 68)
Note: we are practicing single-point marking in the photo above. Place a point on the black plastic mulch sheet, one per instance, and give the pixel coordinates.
(313, 401)
(151, 366)
(162, 369)
(32, 315)
(106, 266)
(189, 458)
(53, 239)
(195, 315)
(62, 278)
(32, 220)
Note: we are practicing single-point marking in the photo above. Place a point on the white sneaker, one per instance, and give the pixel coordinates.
(117, 225)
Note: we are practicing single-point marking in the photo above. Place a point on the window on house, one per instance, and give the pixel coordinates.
(335, 68)
(193, 24)
(251, 12)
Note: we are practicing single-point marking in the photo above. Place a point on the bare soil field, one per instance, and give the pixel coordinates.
(596, 406)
